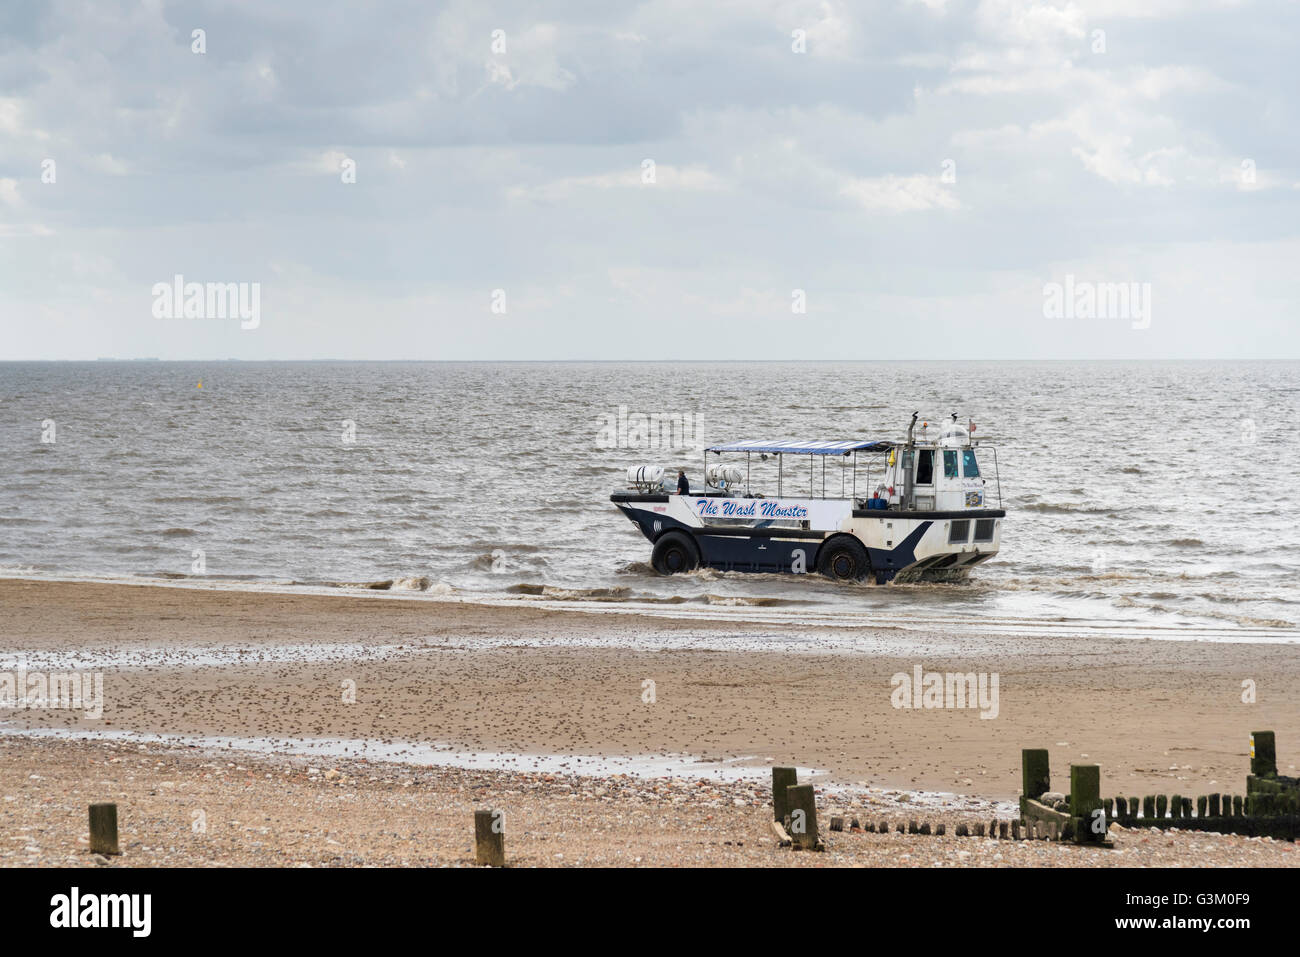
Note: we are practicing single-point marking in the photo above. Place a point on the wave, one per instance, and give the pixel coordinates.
(746, 601)
(615, 594)
(409, 583)
(1051, 508)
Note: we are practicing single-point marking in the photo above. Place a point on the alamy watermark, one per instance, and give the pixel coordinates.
(66, 691)
(179, 299)
(1076, 299)
(946, 689)
(621, 429)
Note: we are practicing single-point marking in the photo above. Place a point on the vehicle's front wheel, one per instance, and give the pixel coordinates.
(674, 552)
(844, 559)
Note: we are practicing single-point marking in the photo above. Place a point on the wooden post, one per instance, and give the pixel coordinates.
(1263, 754)
(1149, 806)
(1238, 805)
(1085, 801)
(1201, 803)
(803, 816)
(490, 837)
(1214, 805)
(782, 778)
(1176, 807)
(1162, 805)
(103, 829)
(1035, 775)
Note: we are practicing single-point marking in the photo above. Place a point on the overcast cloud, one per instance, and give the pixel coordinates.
(919, 173)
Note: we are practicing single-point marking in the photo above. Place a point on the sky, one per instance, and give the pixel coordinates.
(673, 179)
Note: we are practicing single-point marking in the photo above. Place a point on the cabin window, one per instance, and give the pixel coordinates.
(949, 463)
(959, 532)
(925, 467)
(983, 529)
(969, 467)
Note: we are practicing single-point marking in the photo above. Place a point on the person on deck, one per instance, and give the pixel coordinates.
(683, 486)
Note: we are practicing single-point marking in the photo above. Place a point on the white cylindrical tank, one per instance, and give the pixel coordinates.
(723, 476)
(651, 475)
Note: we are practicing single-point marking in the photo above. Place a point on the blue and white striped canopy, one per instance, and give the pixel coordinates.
(799, 446)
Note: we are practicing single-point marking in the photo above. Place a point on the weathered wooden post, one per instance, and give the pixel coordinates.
(1085, 803)
(1237, 805)
(1162, 805)
(1201, 804)
(1149, 806)
(1176, 807)
(782, 778)
(490, 837)
(1035, 775)
(803, 816)
(103, 829)
(1214, 805)
(1263, 754)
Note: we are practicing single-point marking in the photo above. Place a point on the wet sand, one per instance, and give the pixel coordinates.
(190, 807)
(1158, 716)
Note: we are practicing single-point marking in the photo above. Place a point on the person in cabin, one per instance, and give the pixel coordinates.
(683, 486)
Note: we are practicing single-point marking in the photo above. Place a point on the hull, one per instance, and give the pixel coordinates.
(787, 534)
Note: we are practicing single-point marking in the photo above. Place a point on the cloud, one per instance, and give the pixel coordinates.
(521, 168)
(529, 59)
(695, 178)
(900, 194)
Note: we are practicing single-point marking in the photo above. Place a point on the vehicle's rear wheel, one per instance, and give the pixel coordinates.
(674, 552)
(844, 559)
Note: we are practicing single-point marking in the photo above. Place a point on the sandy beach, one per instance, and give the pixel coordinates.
(527, 699)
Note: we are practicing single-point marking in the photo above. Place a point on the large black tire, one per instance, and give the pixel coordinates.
(674, 552)
(844, 558)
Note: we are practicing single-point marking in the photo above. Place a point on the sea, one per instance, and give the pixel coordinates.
(1147, 499)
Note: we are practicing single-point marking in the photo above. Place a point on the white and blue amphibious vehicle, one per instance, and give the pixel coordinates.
(923, 512)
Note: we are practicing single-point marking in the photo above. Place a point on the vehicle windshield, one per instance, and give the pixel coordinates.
(949, 463)
(969, 467)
